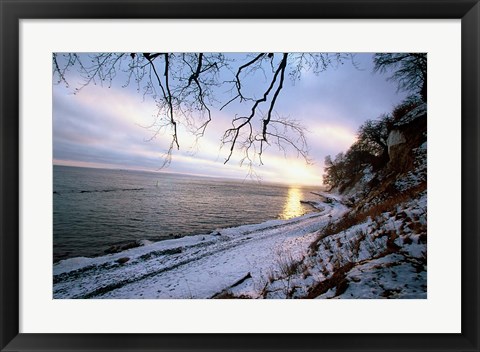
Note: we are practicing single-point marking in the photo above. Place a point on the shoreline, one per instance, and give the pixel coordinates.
(212, 261)
(125, 245)
(170, 242)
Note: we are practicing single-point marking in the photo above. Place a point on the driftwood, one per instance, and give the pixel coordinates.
(225, 293)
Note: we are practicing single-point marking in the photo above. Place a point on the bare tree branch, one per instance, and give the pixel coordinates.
(190, 86)
(169, 101)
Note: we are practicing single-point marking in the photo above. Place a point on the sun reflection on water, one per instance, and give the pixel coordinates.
(292, 207)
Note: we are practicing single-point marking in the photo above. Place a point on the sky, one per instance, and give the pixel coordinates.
(107, 127)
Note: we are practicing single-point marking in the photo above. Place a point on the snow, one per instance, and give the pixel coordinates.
(419, 173)
(368, 174)
(387, 277)
(419, 111)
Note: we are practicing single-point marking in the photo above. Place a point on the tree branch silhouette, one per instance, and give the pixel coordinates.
(188, 88)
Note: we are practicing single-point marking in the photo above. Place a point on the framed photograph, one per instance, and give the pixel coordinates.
(239, 176)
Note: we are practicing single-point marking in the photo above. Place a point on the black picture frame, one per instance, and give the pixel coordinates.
(12, 11)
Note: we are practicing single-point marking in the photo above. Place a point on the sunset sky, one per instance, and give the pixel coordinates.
(106, 127)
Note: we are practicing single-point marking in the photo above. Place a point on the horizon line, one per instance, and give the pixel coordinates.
(90, 165)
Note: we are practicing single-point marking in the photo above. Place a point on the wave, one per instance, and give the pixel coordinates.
(99, 190)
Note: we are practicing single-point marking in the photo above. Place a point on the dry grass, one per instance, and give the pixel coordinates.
(359, 237)
(337, 280)
(290, 266)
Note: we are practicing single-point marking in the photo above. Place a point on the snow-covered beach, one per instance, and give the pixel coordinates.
(194, 266)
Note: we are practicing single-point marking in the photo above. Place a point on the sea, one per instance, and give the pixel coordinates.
(97, 210)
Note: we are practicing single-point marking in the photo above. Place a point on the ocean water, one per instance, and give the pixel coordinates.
(95, 209)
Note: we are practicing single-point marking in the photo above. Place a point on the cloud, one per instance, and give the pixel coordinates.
(107, 126)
